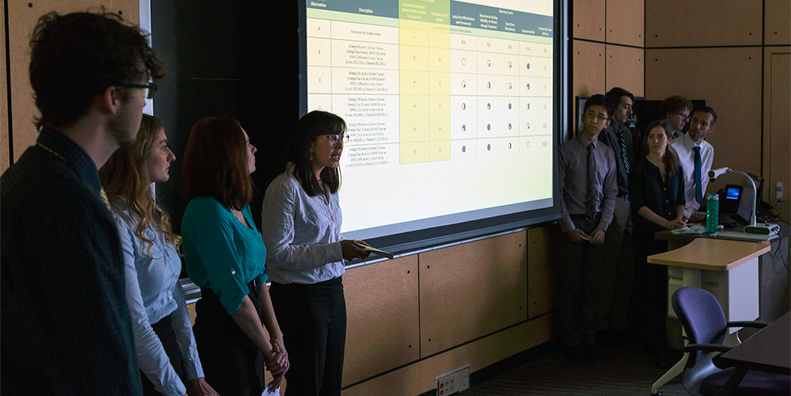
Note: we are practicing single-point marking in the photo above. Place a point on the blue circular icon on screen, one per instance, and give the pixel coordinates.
(528, 66)
(509, 126)
(464, 128)
(509, 106)
(528, 86)
(489, 147)
(488, 127)
(528, 125)
(463, 106)
(528, 106)
(509, 146)
(488, 84)
(488, 106)
(463, 149)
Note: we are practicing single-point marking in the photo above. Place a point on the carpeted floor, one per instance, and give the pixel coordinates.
(630, 373)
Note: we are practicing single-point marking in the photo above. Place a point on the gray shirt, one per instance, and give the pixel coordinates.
(302, 234)
(573, 176)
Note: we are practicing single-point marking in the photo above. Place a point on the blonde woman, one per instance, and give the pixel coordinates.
(164, 343)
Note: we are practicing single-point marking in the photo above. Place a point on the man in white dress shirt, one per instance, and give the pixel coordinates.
(696, 156)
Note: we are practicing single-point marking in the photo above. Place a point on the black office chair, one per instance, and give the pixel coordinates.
(705, 326)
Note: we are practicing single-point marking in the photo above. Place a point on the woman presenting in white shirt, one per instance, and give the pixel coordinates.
(301, 224)
(164, 342)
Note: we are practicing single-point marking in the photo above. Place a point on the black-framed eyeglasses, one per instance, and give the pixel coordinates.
(150, 88)
(334, 137)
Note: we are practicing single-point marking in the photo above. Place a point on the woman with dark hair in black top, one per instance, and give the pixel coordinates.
(657, 190)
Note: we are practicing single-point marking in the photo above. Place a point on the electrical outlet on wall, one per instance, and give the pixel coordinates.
(453, 381)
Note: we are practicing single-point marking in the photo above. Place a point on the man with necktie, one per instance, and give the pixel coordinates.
(615, 280)
(588, 191)
(696, 155)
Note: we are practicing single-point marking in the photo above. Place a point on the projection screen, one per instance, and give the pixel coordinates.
(452, 110)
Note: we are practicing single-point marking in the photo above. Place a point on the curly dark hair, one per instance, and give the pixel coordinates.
(674, 104)
(75, 57)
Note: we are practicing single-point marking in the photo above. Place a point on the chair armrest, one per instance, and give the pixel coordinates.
(754, 323)
(707, 348)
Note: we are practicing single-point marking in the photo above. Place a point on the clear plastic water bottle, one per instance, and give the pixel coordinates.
(712, 213)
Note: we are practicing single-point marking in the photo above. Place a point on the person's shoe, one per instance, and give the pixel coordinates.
(576, 354)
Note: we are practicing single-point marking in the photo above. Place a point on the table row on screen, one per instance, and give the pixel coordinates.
(455, 150)
(371, 33)
(329, 80)
(391, 119)
(341, 53)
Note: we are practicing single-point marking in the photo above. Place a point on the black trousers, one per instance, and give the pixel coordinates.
(167, 336)
(233, 365)
(580, 265)
(313, 321)
(649, 294)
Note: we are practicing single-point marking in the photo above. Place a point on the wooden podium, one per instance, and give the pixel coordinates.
(726, 268)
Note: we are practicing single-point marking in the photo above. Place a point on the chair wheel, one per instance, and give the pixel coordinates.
(657, 393)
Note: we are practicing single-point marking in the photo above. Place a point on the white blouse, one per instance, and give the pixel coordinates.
(302, 234)
(152, 293)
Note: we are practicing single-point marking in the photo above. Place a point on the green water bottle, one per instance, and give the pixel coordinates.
(712, 213)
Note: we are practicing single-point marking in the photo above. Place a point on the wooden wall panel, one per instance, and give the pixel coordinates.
(382, 330)
(589, 69)
(470, 290)
(587, 61)
(626, 22)
(729, 79)
(588, 19)
(418, 378)
(778, 22)
(625, 68)
(682, 23)
(22, 16)
(5, 143)
(777, 127)
(542, 259)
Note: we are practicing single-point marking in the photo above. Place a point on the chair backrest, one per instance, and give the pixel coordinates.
(704, 322)
(701, 315)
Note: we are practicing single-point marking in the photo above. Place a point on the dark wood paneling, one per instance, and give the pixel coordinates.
(778, 22)
(682, 23)
(626, 22)
(382, 330)
(541, 261)
(729, 80)
(470, 290)
(625, 68)
(588, 19)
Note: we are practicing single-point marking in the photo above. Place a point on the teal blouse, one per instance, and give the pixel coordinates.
(220, 252)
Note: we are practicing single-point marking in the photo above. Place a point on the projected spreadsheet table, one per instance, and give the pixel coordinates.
(422, 81)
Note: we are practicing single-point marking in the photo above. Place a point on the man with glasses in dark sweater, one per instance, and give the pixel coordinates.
(65, 324)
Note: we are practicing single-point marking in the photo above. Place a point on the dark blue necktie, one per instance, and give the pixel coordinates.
(698, 187)
(590, 190)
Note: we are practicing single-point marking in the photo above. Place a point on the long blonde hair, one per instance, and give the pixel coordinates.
(124, 175)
